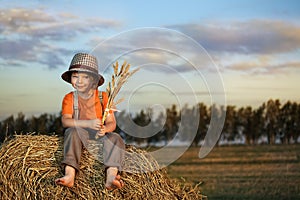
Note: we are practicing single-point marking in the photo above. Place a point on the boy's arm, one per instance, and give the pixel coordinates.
(68, 121)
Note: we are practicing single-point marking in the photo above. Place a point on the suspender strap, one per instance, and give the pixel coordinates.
(75, 104)
(101, 99)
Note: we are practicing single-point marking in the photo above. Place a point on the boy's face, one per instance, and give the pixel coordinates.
(82, 82)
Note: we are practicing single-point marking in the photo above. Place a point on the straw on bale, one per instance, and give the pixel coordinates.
(30, 164)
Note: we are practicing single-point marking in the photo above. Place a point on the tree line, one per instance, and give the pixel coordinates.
(271, 120)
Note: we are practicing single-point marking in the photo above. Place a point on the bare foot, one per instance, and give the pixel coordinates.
(112, 179)
(68, 179)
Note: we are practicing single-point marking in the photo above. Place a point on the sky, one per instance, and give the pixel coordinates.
(240, 53)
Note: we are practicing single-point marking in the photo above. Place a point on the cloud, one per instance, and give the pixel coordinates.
(44, 37)
(248, 37)
(255, 67)
(37, 35)
(19, 53)
(22, 48)
(253, 46)
(19, 19)
(231, 43)
(153, 46)
(40, 23)
(198, 93)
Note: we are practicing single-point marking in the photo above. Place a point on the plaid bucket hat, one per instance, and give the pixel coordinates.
(83, 62)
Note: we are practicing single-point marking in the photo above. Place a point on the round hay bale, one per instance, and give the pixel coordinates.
(30, 164)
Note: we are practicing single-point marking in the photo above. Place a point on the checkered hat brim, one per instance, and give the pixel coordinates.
(83, 62)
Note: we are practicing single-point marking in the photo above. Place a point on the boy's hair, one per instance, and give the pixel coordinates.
(95, 81)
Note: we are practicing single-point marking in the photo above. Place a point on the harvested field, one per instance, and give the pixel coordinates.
(243, 172)
(30, 164)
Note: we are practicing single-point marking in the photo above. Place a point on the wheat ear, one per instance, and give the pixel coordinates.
(118, 78)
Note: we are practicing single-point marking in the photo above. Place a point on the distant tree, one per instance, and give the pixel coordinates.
(142, 120)
(21, 124)
(271, 119)
(188, 124)
(171, 125)
(289, 122)
(229, 125)
(0, 132)
(33, 124)
(203, 123)
(297, 125)
(286, 122)
(245, 123)
(39, 125)
(258, 124)
(295, 121)
(216, 113)
(43, 125)
(8, 128)
(55, 125)
(157, 125)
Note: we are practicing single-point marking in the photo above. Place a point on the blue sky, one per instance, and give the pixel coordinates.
(238, 52)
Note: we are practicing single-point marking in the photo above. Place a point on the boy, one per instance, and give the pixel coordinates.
(81, 115)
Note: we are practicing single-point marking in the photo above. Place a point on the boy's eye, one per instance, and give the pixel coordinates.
(74, 76)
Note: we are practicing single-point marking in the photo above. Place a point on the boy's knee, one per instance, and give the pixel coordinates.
(114, 137)
(71, 134)
(70, 131)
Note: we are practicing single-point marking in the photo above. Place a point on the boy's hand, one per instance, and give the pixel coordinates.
(95, 124)
(102, 131)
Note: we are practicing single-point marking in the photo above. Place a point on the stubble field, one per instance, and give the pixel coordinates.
(242, 172)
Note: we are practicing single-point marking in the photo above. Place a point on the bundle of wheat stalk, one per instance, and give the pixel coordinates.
(118, 78)
(30, 164)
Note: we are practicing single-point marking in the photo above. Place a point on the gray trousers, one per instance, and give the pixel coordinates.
(75, 139)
